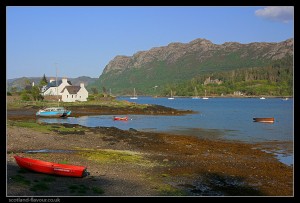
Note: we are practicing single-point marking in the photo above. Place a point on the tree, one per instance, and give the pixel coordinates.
(104, 92)
(43, 81)
(35, 93)
(94, 90)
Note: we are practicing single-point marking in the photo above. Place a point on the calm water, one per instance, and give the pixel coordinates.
(217, 118)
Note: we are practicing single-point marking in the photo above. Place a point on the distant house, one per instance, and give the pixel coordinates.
(74, 93)
(66, 90)
(51, 89)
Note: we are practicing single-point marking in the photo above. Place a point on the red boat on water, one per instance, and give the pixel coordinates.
(50, 167)
(117, 118)
(264, 120)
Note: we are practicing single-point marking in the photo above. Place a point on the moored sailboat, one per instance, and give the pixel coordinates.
(134, 95)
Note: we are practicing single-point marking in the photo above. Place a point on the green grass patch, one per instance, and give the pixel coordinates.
(42, 186)
(21, 180)
(22, 170)
(42, 127)
(168, 190)
(115, 156)
(97, 190)
(78, 189)
(48, 179)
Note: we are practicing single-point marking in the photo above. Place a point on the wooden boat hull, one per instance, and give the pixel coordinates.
(264, 120)
(50, 167)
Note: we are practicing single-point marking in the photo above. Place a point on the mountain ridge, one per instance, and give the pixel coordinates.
(177, 62)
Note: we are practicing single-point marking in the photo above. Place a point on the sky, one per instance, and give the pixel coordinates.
(74, 41)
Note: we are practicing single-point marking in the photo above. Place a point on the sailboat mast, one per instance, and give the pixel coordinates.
(56, 85)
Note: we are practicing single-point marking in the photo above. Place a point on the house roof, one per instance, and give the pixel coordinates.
(53, 83)
(72, 89)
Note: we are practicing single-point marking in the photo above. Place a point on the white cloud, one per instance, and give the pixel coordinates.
(277, 13)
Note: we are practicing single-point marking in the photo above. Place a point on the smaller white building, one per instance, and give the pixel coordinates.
(74, 93)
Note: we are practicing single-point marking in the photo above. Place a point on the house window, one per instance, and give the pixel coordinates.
(67, 96)
(72, 96)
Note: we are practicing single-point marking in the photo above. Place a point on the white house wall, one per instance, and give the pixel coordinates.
(54, 91)
(62, 86)
(51, 91)
(81, 95)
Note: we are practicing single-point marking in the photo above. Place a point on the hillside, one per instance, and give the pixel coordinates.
(179, 62)
(20, 83)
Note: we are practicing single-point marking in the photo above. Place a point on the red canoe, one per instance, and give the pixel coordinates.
(264, 120)
(116, 118)
(50, 167)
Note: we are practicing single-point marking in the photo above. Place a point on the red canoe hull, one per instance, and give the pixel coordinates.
(264, 120)
(50, 167)
(120, 118)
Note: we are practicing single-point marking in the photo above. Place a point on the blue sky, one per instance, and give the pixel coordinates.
(81, 40)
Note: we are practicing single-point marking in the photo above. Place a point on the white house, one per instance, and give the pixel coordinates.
(51, 89)
(74, 93)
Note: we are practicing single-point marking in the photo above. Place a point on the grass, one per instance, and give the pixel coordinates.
(82, 189)
(168, 190)
(44, 127)
(20, 179)
(115, 156)
(18, 103)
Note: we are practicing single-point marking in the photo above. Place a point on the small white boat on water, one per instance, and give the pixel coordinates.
(205, 96)
(134, 95)
(171, 96)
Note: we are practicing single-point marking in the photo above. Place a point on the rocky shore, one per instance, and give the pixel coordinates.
(133, 163)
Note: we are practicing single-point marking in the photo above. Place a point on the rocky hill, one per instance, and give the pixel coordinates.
(177, 62)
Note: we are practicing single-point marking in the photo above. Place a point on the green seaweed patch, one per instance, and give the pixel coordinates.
(39, 186)
(48, 179)
(97, 190)
(20, 179)
(82, 189)
(116, 156)
(168, 190)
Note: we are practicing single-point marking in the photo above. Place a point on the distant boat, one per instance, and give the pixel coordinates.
(285, 99)
(117, 118)
(205, 96)
(56, 112)
(196, 94)
(50, 167)
(134, 95)
(171, 97)
(262, 98)
(264, 120)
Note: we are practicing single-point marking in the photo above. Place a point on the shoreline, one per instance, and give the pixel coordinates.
(169, 165)
(138, 163)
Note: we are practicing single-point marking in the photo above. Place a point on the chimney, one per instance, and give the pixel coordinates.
(64, 80)
(81, 84)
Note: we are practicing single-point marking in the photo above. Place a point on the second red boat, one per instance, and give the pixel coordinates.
(117, 118)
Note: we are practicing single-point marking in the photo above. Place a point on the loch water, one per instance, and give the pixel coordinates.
(216, 118)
